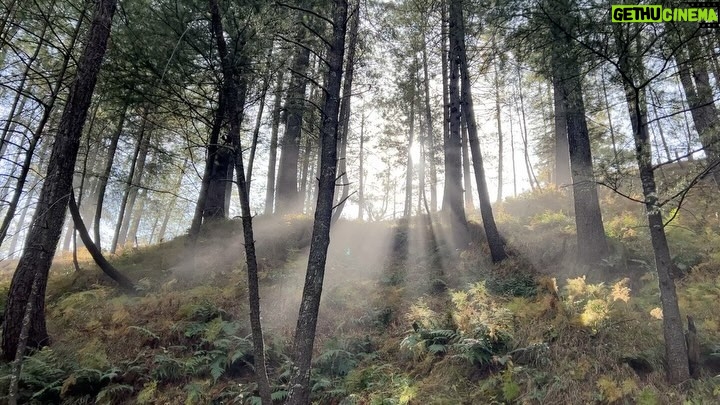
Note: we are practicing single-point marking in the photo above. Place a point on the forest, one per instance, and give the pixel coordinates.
(359, 202)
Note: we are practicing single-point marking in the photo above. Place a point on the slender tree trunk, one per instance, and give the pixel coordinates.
(256, 133)
(429, 136)
(136, 218)
(675, 348)
(701, 102)
(95, 252)
(46, 227)
(37, 135)
(457, 25)
(126, 194)
(610, 122)
(173, 201)
(563, 176)
(272, 159)
(453, 204)
(103, 179)
(344, 123)
(498, 118)
(666, 148)
(407, 210)
(134, 186)
(299, 387)
(19, 100)
(361, 185)
(287, 199)
(512, 154)
(445, 79)
(524, 135)
(21, 223)
(307, 157)
(16, 367)
(235, 108)
(467, 176)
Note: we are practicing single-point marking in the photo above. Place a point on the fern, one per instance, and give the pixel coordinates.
(168, 368)
(114, 393)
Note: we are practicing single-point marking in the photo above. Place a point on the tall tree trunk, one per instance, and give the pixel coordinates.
(299, 388)
(666, 148)
(467, 176)
(591, 241)
(610, 122)
(105, 176)
(695, 81)
(307, 157)
(287, 199)
(256, 132)
(562, 173)
(210, 167)
(235, 106)
(21, 223)
(47, 222)
(429, 136)
(272, 159)
(361, 185)
(512, 154)
(453, 204)
(131, 176)
(457, 25)
(524, 135)
(344, 123)
(407, 210)
(675, 348)
(445, 78)
(134, 186)
(498, 118)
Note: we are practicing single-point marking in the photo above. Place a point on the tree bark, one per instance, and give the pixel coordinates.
(47, 222)
(256, 133)
(361, 184)
(467, 176)
(591, 241)
(495, 242)
(563, 177)
(210, 168)
(498, 118)
(103, 180)
(675, 348)
(429, 136)
(287, 199)
(453, 204)
(299, 388)
(234, 109)
(117, 238)
(524, 135)
(407, 209)
(344, 123)
(695, 82)
(272, 159)
(95, 252)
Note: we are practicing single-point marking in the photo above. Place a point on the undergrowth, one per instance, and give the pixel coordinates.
(415, 323)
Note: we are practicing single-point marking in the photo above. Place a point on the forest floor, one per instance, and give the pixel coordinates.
(404, 319)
